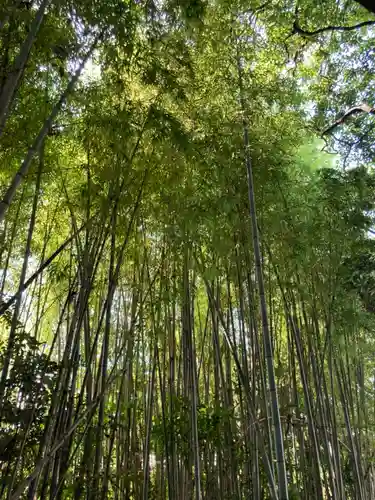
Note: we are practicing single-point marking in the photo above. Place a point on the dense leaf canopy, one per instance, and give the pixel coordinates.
(187, 253)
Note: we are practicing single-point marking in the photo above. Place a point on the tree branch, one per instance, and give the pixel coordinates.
(300, 31)
(367, 4)
(362, 108)
(262, 6)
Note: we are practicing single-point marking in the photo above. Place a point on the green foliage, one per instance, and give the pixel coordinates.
(144, 170)
(28, 392)
(177, 427)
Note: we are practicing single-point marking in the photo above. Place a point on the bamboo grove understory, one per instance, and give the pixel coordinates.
(187, 255)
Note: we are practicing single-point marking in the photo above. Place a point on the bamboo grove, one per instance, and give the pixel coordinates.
(186, 250)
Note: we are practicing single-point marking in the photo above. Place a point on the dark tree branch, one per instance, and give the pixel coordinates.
(300, 31)
(328, 148)
(367, 4)
(262, 7)
(362, 108)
